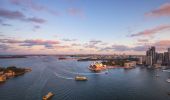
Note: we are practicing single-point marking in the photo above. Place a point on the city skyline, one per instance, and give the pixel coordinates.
(156, 59)
(83, 26)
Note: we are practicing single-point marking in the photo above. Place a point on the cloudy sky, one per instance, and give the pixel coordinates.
(83, 26)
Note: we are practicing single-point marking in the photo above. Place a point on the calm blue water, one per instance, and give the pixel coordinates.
(50, 74)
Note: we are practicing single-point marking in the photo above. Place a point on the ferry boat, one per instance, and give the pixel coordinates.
(48, 96)
(81, 78)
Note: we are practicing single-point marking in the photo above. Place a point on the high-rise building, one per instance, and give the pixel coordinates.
(168, 55)
(168, 49)
(139, 60)
(151, 56)
(166, 58)
(159, 58)
(148, 60)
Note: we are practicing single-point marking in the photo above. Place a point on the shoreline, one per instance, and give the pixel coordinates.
(10, 72)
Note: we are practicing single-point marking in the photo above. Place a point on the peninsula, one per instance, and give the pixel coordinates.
(12, 71)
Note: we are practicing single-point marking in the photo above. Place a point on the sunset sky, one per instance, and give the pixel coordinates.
(83, 26)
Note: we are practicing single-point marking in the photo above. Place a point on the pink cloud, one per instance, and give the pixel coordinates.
(30, 43)
(165, 43)
(17, 2)
(4, 47)
(11, 14)
(75, 12)
(75, 44)
(10, 41)
(163, 10)
(93, 44)
(69, 40)
(34, 6)
(152, 31)
(36, 27)
(36, 20)
(17, 15)
(143, 40)
(71, 1)
(160, 45)
(120, 48)
(40, 42)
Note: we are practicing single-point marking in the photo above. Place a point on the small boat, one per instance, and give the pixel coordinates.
(81, 78)
(168, 80)
(48, 96)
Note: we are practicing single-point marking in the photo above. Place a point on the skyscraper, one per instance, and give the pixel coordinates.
(151, 56)
(159, 58)
(168, 56)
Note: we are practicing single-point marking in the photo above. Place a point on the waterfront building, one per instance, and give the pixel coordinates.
(151, 56)
(97, 66)
(166, 58)
(144, 59)
(129, 64)
(10, 73)
(160, 58)
(168, 49)
(148, 60)
(140, 60)
(1, 72)
(2, 78)
(154, 59)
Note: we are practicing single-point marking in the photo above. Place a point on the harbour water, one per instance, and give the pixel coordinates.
(50, 74)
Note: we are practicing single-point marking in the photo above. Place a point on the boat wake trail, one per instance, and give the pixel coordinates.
(166, 70)
(88, 73)
(68, 78)
(91, 73)
(36, 87)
